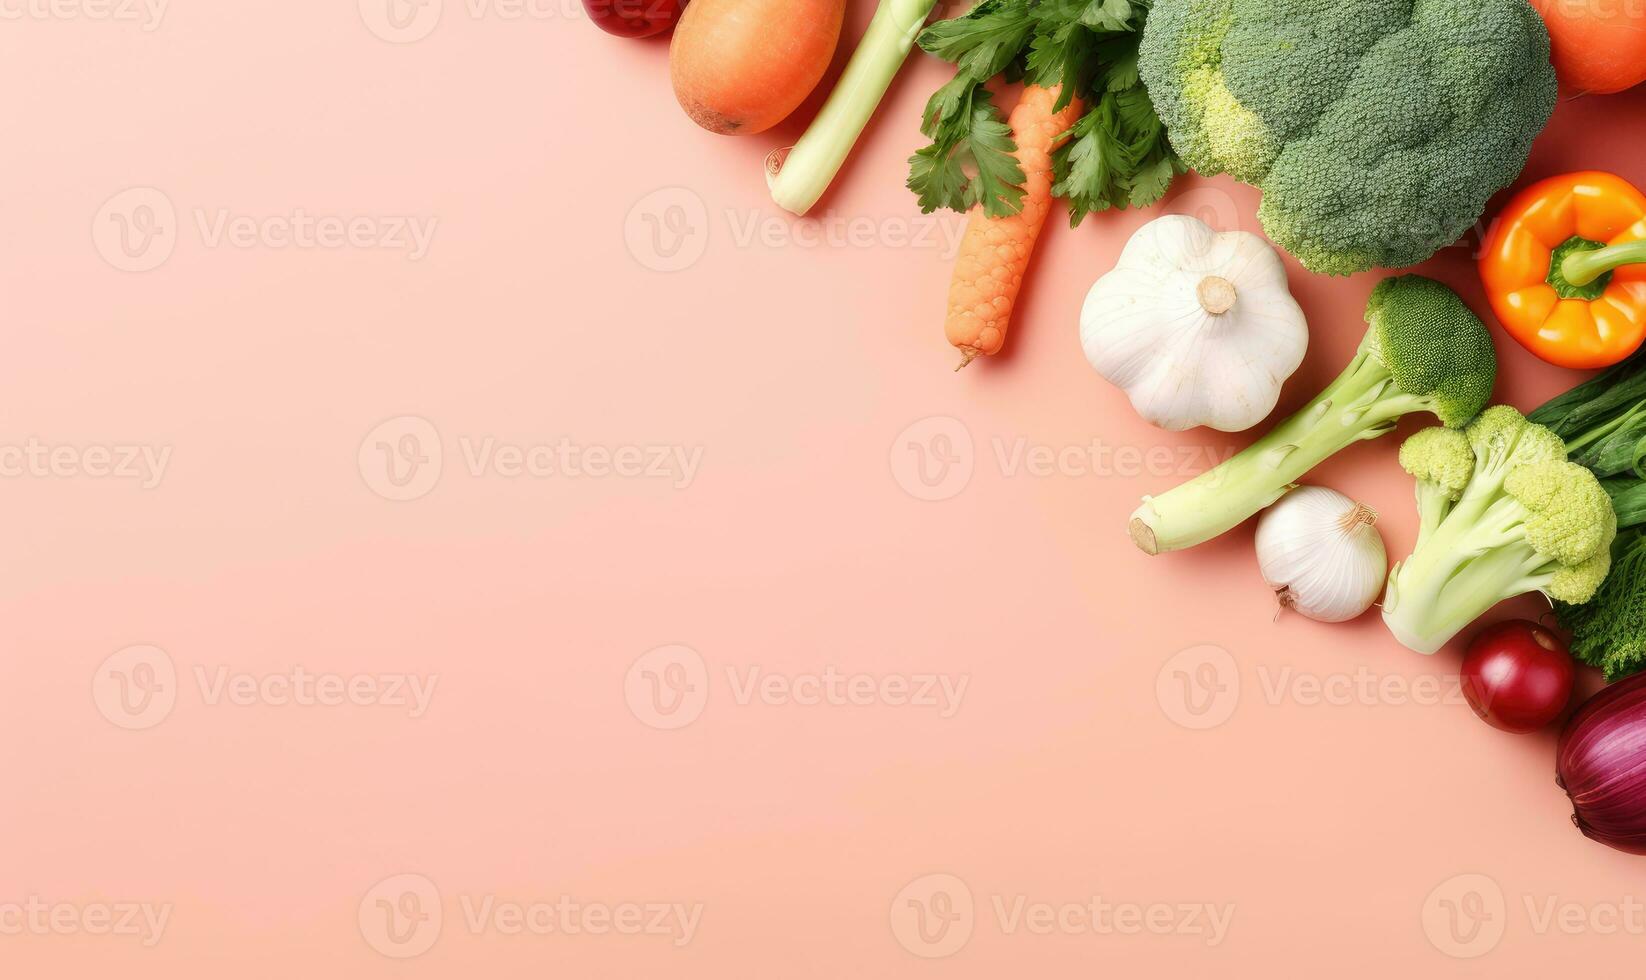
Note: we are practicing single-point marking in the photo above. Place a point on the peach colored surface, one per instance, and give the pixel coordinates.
(450, 512)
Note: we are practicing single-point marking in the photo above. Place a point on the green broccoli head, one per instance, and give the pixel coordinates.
(1433, 346)
(1376, 130)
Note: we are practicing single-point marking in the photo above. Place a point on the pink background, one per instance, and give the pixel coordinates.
(798, 545)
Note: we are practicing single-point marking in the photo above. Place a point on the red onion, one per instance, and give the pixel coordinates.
(1601, 764)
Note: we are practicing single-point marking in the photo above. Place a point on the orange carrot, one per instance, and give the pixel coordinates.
(995, 251)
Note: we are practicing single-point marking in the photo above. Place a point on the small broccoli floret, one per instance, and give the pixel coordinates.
(1440, 461)
(1440, 458)
(1376, 130)
(1424, 350)
(1524, 522)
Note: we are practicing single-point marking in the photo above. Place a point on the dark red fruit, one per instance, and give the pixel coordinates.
(634, 18)
(1517, 676)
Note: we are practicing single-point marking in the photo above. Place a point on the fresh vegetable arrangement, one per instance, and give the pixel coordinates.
(1377, 131)
(1084, 130)
(1424, 351)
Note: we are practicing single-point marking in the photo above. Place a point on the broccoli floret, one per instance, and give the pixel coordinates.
(1441, 462)
(1424, 350)
(1376, 130)
(1527, 521)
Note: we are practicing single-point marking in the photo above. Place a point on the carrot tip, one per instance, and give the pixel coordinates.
(967, 355)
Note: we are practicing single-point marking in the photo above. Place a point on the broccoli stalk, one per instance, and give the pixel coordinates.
(1423, 351)
(1526, 520)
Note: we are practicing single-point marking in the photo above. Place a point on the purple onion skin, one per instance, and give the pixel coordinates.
(1601, 764)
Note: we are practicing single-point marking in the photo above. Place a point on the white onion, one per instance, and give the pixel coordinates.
(1321, 553)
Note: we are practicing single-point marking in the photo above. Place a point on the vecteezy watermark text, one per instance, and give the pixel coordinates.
(668, 687)
(403, 459)
(146, 13)
(935, 458)
(402, 916)
(1467, 915)
(34, 916)
(137, 688)
(670, 229)
(935, 915)
(34, 459)
(1201, 687)
(138, 229)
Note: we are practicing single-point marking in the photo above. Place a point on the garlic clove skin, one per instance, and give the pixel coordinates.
(1322, 554)
(1197, 326)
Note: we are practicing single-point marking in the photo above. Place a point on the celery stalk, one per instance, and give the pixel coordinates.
(800, 178)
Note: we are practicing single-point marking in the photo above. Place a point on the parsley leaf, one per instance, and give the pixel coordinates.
(970, 160)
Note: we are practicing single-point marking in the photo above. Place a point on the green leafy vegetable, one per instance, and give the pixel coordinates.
(1116, 154)
(1603, 422)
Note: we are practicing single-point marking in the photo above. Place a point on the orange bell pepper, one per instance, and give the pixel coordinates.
(1565, 269)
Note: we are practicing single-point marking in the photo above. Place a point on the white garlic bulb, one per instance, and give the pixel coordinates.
(1321, 553)
(1196, 326)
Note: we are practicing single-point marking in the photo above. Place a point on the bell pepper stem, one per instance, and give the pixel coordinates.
(1583, 267)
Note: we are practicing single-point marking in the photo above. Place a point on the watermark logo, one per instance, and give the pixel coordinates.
(136, 688)
(1465, 916)
(668, 229)
(401, 21)
(933, 916)
(667, 688)
(1199, 688)
(933, 459)
(401, 916)
(136, 230)
(402, 458)
(1210, 205)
